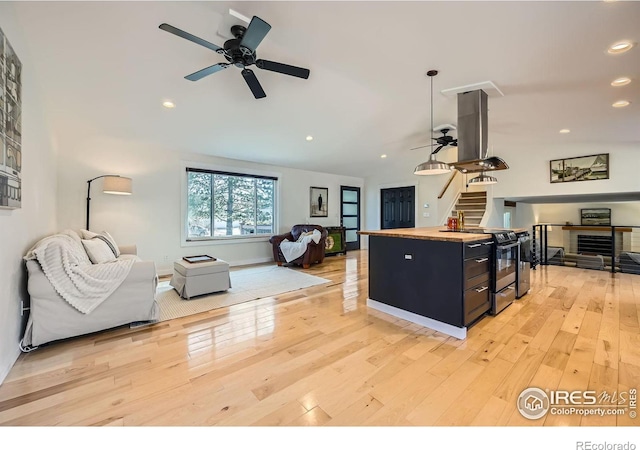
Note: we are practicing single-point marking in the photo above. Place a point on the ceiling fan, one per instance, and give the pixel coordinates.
(240, 52)
(441, 141)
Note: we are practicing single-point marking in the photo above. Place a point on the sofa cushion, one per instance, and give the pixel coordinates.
(98, 250)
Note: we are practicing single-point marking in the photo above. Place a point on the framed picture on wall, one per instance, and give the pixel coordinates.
(10, 126)
(319, 202)
(581, 168)
(595, 216)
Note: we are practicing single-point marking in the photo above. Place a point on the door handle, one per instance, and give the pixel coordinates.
(482, 289)
(474, 245)
(481, 260)
(487, 243)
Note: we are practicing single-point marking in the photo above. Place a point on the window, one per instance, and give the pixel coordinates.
(224, 204)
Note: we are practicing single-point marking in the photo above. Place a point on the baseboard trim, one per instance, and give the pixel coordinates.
(456, 332)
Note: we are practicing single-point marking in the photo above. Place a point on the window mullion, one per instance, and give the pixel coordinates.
(255, 208)
(213, 212)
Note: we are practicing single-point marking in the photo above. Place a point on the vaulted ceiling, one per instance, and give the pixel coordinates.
(105, 68)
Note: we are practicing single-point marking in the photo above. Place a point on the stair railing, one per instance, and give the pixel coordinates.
(446, 186)
(448, 198)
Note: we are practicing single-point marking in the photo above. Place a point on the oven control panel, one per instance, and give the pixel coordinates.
(505, 237)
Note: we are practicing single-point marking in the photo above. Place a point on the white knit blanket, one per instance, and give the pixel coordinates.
(294, 250)
(84, 286)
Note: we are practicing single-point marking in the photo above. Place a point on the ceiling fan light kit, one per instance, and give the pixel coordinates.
(433, 166)
(241, 53)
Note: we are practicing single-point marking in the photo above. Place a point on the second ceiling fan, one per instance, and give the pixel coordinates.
(441, 141)
(240, 52)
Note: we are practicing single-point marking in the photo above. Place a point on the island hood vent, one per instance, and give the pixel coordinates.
(472, 135)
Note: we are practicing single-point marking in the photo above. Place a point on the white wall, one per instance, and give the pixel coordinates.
(21, 228)
(528, 173)
(152, 218)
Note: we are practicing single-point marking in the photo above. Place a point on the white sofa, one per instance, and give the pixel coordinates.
(53, 318)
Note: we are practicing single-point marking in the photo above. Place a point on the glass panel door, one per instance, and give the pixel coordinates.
(350, 215)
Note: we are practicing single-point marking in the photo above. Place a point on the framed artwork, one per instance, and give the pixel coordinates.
(595, 216)
(581, 168)
(10, 126)
(318, 202)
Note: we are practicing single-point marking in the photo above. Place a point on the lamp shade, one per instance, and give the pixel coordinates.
(483, 179)
(432, 167)
(117, 185)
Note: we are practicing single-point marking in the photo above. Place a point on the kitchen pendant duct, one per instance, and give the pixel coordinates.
(472, 135)
(432, 166)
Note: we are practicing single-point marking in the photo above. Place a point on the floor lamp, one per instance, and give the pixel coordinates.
(113, 184)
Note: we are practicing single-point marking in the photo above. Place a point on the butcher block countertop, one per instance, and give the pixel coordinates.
(435, 234)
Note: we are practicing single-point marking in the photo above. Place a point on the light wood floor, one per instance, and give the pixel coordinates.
(319, 356)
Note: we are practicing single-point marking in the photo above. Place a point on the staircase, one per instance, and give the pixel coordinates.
(474, 204)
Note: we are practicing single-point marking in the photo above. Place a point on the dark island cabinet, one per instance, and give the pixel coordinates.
(477, 279)
(441, 280)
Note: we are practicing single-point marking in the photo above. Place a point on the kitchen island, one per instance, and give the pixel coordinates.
(430, 276)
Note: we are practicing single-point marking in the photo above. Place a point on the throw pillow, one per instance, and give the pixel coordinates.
(98, 251)
(110, 241)
(106, 237)
(86, 234)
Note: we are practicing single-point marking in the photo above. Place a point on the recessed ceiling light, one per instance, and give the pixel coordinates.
(620, 47)
(309, 138)
(168, 104)
(565, 131)
(383, 156)
(621, 104)
(622, 81)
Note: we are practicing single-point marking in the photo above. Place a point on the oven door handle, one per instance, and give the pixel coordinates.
(505, 247)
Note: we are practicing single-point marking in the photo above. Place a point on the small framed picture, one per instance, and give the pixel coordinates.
(595, 216)
(319, 202)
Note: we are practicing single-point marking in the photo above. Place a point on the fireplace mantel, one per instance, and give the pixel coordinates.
(618, 229)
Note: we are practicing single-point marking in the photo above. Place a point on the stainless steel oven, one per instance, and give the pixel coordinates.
(505, 265)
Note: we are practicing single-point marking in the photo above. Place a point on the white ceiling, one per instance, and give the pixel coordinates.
(105, 68)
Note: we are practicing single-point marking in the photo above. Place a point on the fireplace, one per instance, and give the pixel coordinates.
(594, 245)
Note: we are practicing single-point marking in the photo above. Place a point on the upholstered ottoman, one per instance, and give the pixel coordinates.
(192, 279)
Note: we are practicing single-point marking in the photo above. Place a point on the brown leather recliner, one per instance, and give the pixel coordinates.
(314, 253)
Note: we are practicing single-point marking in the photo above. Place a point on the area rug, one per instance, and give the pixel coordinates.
(246, 284)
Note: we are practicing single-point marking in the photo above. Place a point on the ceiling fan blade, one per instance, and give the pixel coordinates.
(423, 146)
(253, 83)
(183, 34)
(283, 68)
(195, 76)
(255, 33)
(438, 149)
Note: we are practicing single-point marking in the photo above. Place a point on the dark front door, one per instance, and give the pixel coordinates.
(398, 207)
(350, 215)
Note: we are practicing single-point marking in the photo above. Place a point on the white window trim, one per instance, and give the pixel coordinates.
(223, 240)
